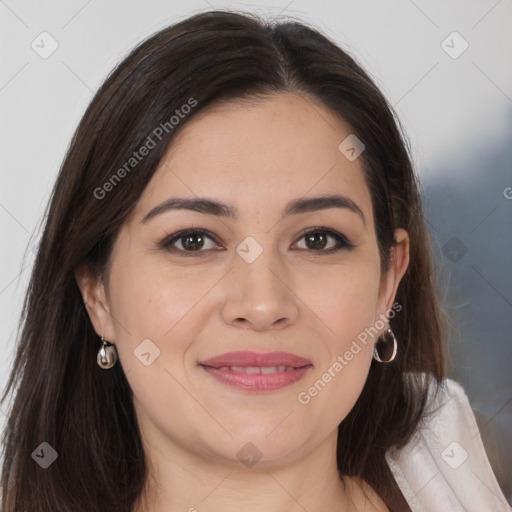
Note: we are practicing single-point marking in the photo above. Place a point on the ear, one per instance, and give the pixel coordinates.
(399, 261)
(96, 303)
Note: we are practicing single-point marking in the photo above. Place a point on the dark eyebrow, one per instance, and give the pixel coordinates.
(212, 207)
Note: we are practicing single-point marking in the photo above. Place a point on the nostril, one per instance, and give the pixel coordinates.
(238, 321)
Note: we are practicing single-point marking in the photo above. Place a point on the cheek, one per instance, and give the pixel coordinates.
(346, 304)
(156, 321)
(345, 299)
(151, 295)
(152, 302)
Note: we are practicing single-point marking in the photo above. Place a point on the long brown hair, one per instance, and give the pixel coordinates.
(85, 413)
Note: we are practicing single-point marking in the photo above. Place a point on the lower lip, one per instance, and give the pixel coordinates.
(257, 381)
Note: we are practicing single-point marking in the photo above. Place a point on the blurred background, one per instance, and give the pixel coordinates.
(445, 67)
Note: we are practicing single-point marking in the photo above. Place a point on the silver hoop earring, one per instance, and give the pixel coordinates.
(385, 349)
(107, 355)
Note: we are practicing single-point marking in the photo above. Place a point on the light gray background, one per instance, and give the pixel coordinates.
(457, 113)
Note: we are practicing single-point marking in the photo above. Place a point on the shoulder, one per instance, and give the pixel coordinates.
(444, 465)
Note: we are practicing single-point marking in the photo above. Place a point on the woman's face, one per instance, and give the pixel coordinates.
(281, 273)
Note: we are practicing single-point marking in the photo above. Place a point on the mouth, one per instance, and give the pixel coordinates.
(252, 371)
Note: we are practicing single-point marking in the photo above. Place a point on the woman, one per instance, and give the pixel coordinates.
(233, 305)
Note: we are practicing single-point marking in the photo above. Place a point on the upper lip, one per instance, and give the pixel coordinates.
(248, 358)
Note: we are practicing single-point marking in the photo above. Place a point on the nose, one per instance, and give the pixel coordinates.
(259, 295)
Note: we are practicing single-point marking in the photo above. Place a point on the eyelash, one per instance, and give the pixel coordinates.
(166, 243)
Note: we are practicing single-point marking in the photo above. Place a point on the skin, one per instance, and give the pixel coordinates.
(293, 298)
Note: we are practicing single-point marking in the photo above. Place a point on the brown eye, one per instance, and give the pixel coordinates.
(317, 239)
(189, 241)
(196, 242)
(192, 242)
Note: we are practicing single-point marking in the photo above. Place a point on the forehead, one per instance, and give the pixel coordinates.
(259, 153)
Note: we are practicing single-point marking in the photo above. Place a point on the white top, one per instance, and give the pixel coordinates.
(444, 467)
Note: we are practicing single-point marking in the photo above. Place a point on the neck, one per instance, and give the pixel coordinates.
(183, 481)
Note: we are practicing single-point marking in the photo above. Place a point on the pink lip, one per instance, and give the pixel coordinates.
(216, 367)
(247, 358)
